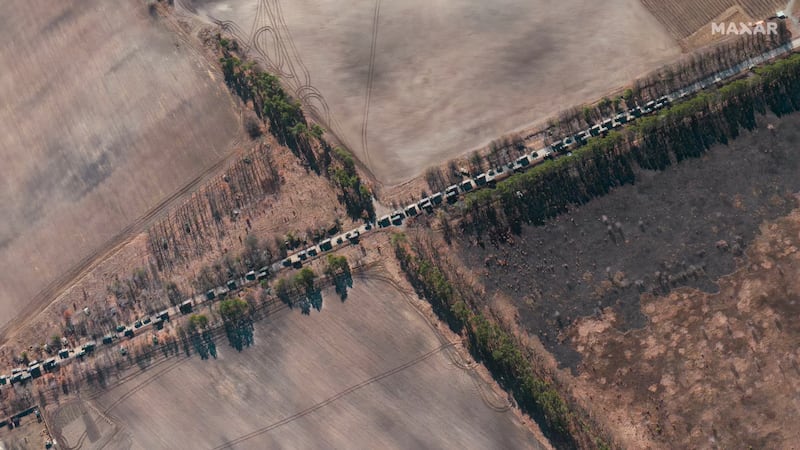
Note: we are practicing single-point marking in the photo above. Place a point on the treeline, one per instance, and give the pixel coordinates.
(495, 348)
(354, 195)
(234, 318)
(670, 78)
(693, 68)
(684, 130)
(288, 124)
(303, 289)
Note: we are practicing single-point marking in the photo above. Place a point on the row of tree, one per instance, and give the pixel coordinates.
(689, 70)
(288, 123)
(302, 289)
(494, 346)
(685, 130)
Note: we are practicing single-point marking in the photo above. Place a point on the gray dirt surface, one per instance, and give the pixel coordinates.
(365, 373)
(106, 113)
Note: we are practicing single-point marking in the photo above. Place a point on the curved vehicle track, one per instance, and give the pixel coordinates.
(370, 79)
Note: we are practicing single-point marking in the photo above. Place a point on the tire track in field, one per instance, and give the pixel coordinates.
(144, 384)
(370, 78)
(56, 287)
(466, 368)
(329, 400)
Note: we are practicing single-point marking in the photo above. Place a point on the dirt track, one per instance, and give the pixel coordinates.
(409, 84)
(365, 373)
(109, 115)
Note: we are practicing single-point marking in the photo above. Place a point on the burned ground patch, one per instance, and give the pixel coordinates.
(685, 226)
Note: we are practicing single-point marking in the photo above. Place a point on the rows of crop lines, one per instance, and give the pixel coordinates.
(682, 18)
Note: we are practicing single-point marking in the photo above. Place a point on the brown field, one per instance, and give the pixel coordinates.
(438, 79)
(108, 114)
(365, 373)
(682, 18)
(715, 370)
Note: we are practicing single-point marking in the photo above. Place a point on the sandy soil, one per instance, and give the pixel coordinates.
(444, 77)
(365, 373)
(106, 114)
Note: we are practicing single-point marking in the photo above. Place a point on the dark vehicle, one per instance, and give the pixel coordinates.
(286, 263)
(50, 365)
(524, 161)
(262, 275)
(231, 285)
(63, 354)
(481, 180)
(107, 339)
(397, 219)
(437, 198)
(411, 211)
(120, 328)
(185, 307)
(326, 246)
(89, 346)
(210, 294)
(129, 333)
(426, 205)
(451, 194)
(138, 324)
(383, 222)
(35, 371)
(312, 252)
(164, 315)
(250, 276)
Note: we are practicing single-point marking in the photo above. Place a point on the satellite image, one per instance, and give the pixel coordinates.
(364, 224)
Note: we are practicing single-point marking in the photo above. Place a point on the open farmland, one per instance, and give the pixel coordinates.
(685, 17)
(365, 373)
(406, 85)
(107, 114)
